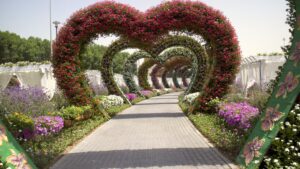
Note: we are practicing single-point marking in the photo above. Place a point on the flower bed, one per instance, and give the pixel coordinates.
(190, 97)
(147, 93)
(48, 125)
(131, 96)
(238, 115)
(111, 100)
(32, 101)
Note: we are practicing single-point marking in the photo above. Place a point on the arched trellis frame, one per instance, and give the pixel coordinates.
(143, 73)
(176, 63)
(184, 72)
(173, 57)
(164, 78)
(199, 54)
(154, 79)
(174, 77)
(107, 17)
(131, 70)
(278, 106)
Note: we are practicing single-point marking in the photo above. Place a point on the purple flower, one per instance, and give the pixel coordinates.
(146, 92)
(47, 125)
(26, 100)
(238, 115)
(131, 96)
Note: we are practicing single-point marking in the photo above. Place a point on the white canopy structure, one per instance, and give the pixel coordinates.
(35, 75)
(258, 70)
(41, 75)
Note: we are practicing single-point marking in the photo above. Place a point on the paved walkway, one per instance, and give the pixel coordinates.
(152, 134)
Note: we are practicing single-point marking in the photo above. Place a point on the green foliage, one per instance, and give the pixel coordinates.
(137, 100)
(73, 112)
(234, 97)
(92, 54)
(213, 105)
(259, 99)
(213, 128)
(19, 121)
(3, 164)
(131, 70)
(59, 100)
(285, 149)
(13, 48)
(116, 109)
(143, 73)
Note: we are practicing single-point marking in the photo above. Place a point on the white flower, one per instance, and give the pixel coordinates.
(191, 97)
(295, 164)
(286, 150)
(287, 123)
(275, 161)
(276, 138)
(294, 130)
(256, 161)
(268, 159)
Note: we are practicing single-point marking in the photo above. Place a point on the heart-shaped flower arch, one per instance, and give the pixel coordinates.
(107, 17)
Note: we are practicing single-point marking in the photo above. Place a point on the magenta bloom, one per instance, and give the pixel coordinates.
(131, 96)
(47, 125)
(238, 115)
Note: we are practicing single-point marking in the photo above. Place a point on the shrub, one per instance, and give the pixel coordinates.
(59, 100)
(131, 96)
(259, 99)
(213, 104)
(285, 149)
(47, 125)
(73, 112)
(190, 97)
(238, 115)
(234, 97)
(111, 100)
(32, 101)
(21, 125)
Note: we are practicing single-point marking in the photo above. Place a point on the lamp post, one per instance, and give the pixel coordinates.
(50, 20)
(56, 23)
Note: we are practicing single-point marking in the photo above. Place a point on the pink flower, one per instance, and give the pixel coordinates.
(272, 115)
(289, 84)
(251, 149)
(18, 160)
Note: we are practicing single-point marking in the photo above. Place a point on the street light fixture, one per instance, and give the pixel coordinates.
(56, 23)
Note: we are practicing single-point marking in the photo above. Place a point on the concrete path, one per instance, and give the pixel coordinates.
(152, 134)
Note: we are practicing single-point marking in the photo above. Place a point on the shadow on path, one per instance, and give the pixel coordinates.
(144, 158)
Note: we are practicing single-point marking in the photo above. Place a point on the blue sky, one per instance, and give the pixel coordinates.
(260, 24)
